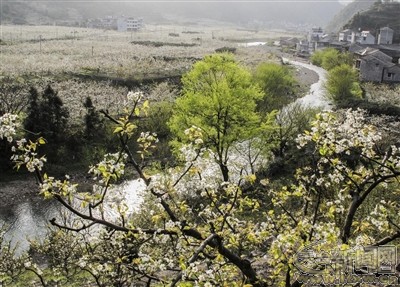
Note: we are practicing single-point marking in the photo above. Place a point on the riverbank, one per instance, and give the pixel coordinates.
(17, 191)
(305, 77)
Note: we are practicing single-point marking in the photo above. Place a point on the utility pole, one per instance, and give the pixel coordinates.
(40, 43)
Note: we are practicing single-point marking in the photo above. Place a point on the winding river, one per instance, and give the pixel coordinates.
(316, 95)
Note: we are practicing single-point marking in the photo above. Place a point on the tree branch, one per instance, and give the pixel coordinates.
(194, 257)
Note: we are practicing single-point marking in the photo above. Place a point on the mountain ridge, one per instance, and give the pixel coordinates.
(344, 16)
(296, 11)
(379, 15)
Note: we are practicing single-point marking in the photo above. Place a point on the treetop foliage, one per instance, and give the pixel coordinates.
(330, 58)
(278, 84)
(342, 84)
(219, 98)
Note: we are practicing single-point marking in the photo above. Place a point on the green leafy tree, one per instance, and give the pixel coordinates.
(342, 84)
(278, 84)
(330, 58)
(219, 98)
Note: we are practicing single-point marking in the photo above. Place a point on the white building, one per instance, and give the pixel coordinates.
(366, 38)
(345, 35)
(129, 24)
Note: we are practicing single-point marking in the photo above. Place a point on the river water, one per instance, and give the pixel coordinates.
(29, 219)
(26, 220)
(316, 96)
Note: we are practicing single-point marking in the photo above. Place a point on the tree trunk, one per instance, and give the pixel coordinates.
(225, 171)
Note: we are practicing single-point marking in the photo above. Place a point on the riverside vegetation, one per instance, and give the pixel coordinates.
(243, 186)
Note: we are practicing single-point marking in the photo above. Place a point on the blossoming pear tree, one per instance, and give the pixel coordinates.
(206, 244)
(346, 197)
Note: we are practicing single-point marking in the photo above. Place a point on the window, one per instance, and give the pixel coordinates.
(391, 75)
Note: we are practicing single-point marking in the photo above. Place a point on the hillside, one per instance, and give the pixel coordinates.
(379, 15)
(345, 15)
(56, 11)
(270, 13)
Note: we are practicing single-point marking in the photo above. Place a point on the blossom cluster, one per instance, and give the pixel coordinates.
(146, 142)
(25, 154)
(111, 167)
(52, 186)
(9, 123)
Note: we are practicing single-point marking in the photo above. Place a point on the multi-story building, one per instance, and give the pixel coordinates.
(129, 24)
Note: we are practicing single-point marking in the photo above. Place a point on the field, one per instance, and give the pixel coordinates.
(157, 50)
(104, 64)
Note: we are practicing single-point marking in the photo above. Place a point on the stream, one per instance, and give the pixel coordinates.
(316, 96)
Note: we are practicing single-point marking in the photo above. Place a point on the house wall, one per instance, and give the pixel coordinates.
(367, 39)
(395, 74)
(371, 70)
(345, 36)
(129, 24)
(385, 37)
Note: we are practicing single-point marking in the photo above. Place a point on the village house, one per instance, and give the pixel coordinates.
(315, 34)
(345, 35)
(366, 37)
(121, 24)
(385, 36)
(377, 63)
(289, 42)
(316, 39)
(107, 23)
(302, 48)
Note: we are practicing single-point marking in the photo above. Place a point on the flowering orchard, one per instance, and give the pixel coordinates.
(46, 50)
